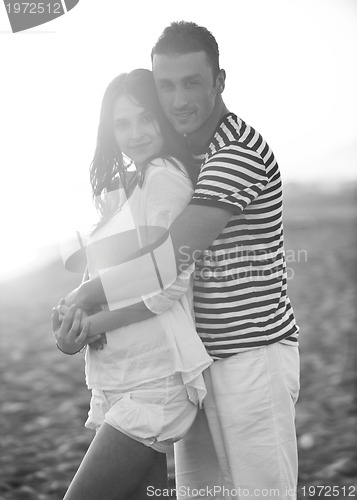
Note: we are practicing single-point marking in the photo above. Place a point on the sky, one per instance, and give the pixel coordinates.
(291, 73)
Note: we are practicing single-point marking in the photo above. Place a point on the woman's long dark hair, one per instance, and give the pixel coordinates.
(108, 170)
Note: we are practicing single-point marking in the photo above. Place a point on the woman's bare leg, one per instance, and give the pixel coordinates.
(155, 481)
(114, 467)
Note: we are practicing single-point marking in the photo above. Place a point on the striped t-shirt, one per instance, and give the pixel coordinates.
(240, 290)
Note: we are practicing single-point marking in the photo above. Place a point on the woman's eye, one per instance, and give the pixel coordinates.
(121, 125)
(147, 119)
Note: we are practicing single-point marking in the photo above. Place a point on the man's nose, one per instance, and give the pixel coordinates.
(180, 98)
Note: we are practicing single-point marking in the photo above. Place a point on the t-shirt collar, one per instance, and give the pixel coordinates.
(216, 134)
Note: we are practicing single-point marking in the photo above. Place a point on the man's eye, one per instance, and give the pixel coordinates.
(191, 83)
(165, 86)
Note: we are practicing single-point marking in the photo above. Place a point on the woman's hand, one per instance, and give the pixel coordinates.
(71, 333)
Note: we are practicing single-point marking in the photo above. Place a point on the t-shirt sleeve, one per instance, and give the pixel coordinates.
(233, 177)
(164, 300)
(168, 192)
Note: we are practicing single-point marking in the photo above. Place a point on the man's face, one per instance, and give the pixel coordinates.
(186, 89)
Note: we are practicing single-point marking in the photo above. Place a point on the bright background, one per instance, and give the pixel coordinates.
(291, 67)
(292, 73)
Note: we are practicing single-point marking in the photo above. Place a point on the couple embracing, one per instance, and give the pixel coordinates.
(207, 360)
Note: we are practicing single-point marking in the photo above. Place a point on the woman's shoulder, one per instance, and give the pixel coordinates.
(166, 175)
(166, 168)
(169, 162)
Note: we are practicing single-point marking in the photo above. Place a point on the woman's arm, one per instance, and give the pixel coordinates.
(89, 329)
(105, 321)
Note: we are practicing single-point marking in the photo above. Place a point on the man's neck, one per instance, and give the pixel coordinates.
(199, 139)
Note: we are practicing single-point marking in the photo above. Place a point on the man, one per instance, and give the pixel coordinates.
(243, 445)
(243, 314)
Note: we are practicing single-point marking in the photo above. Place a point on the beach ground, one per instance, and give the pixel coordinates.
(44, 401)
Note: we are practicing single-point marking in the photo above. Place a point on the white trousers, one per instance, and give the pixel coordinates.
(243, 444)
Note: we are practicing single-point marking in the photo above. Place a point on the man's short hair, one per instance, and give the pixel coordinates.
(183, 37)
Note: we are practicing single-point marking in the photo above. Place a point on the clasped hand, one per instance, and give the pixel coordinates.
(71, 327)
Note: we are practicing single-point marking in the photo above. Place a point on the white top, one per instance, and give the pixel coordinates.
(168, 342)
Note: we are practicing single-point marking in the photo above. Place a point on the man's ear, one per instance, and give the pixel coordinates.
(221, 81)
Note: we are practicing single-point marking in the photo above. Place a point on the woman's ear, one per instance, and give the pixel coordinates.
(221, 81)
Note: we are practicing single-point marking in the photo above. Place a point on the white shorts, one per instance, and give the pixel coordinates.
(156, 414)
(243, 445)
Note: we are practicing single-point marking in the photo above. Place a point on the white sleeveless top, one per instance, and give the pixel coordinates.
(166, 343)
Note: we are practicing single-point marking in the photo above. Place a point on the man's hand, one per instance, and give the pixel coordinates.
(98, 345)
(88, 296)
(62, 310)
(72, 297)
(75, 297)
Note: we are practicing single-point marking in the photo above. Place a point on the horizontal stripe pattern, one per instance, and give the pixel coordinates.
(240, 290)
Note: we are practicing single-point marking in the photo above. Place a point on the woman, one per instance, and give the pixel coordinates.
(147, 381)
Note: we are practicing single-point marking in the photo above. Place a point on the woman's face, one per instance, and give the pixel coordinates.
(136, 132)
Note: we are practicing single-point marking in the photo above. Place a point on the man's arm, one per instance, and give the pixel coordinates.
(190, 234)
(195, 230)
(227, 184)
